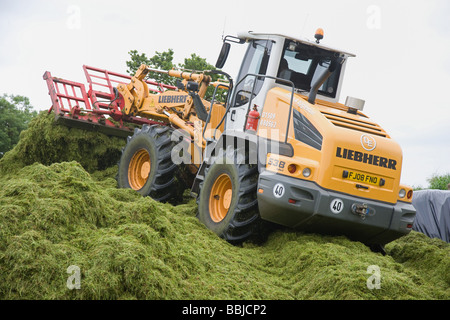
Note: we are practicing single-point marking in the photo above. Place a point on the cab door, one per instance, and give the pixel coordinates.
(248, 87)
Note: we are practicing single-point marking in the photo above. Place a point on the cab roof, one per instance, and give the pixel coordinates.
(256, 35)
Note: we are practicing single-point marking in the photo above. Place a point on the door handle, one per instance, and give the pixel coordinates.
(233, 114)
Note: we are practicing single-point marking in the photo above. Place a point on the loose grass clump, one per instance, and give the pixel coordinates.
(131, 247)
(47, 142)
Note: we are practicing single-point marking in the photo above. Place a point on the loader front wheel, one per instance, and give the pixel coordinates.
(139, 169)
(227, 203)
(220, 198)
(146, 165)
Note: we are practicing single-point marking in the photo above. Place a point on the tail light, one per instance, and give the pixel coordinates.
(292, 168)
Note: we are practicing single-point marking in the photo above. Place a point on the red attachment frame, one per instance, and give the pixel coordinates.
(95, 109)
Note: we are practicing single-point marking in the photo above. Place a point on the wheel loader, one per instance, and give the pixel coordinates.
(278, 149)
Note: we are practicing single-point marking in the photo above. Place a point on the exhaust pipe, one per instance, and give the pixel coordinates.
(323, 77)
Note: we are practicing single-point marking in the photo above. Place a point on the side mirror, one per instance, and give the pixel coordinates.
(223, 55)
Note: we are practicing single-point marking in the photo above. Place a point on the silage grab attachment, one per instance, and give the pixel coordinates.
(100, 107)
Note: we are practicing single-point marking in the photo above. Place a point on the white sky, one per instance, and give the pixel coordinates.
(402, 68)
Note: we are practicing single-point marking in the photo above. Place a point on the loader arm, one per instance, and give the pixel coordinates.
(184, 108)
(139, 100)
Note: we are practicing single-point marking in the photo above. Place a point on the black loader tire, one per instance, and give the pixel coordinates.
(157, 177)
(242, 221)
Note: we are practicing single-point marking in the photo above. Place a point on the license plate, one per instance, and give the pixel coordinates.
(363, 178)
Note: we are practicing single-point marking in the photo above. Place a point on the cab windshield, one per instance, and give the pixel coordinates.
(303, 64)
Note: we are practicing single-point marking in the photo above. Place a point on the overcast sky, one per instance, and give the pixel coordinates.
(402, 67)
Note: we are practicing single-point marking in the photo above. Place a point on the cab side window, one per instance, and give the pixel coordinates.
(255, 62)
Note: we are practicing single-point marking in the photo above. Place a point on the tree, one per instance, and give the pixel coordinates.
(440, 182)
(136, 61)
(15, 114)
(196, 63)
(161, 61)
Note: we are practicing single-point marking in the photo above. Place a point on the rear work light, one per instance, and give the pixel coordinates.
(306, 172)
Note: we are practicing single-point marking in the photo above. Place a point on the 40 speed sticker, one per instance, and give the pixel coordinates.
(278, 190)
(336, 206)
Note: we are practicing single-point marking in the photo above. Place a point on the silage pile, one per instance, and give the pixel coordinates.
(57, 214)
(46, 142)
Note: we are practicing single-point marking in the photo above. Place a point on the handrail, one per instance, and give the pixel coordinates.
(210, 112)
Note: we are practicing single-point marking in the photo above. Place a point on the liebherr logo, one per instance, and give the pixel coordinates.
(368, 142)
(366, 158)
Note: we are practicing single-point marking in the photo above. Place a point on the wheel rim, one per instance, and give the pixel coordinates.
(139, 169)
(220, 198)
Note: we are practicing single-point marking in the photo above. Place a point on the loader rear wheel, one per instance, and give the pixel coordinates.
(227, 203)
(146, 165)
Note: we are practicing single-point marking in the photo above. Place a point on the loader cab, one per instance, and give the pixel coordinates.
(303, 64)
(274, 60)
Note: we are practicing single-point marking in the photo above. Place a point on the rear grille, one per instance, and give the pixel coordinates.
(306, 132)
(358, 125)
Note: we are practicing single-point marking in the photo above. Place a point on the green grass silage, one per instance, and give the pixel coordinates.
(130, 247)
(56, 214)
(47, 142)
